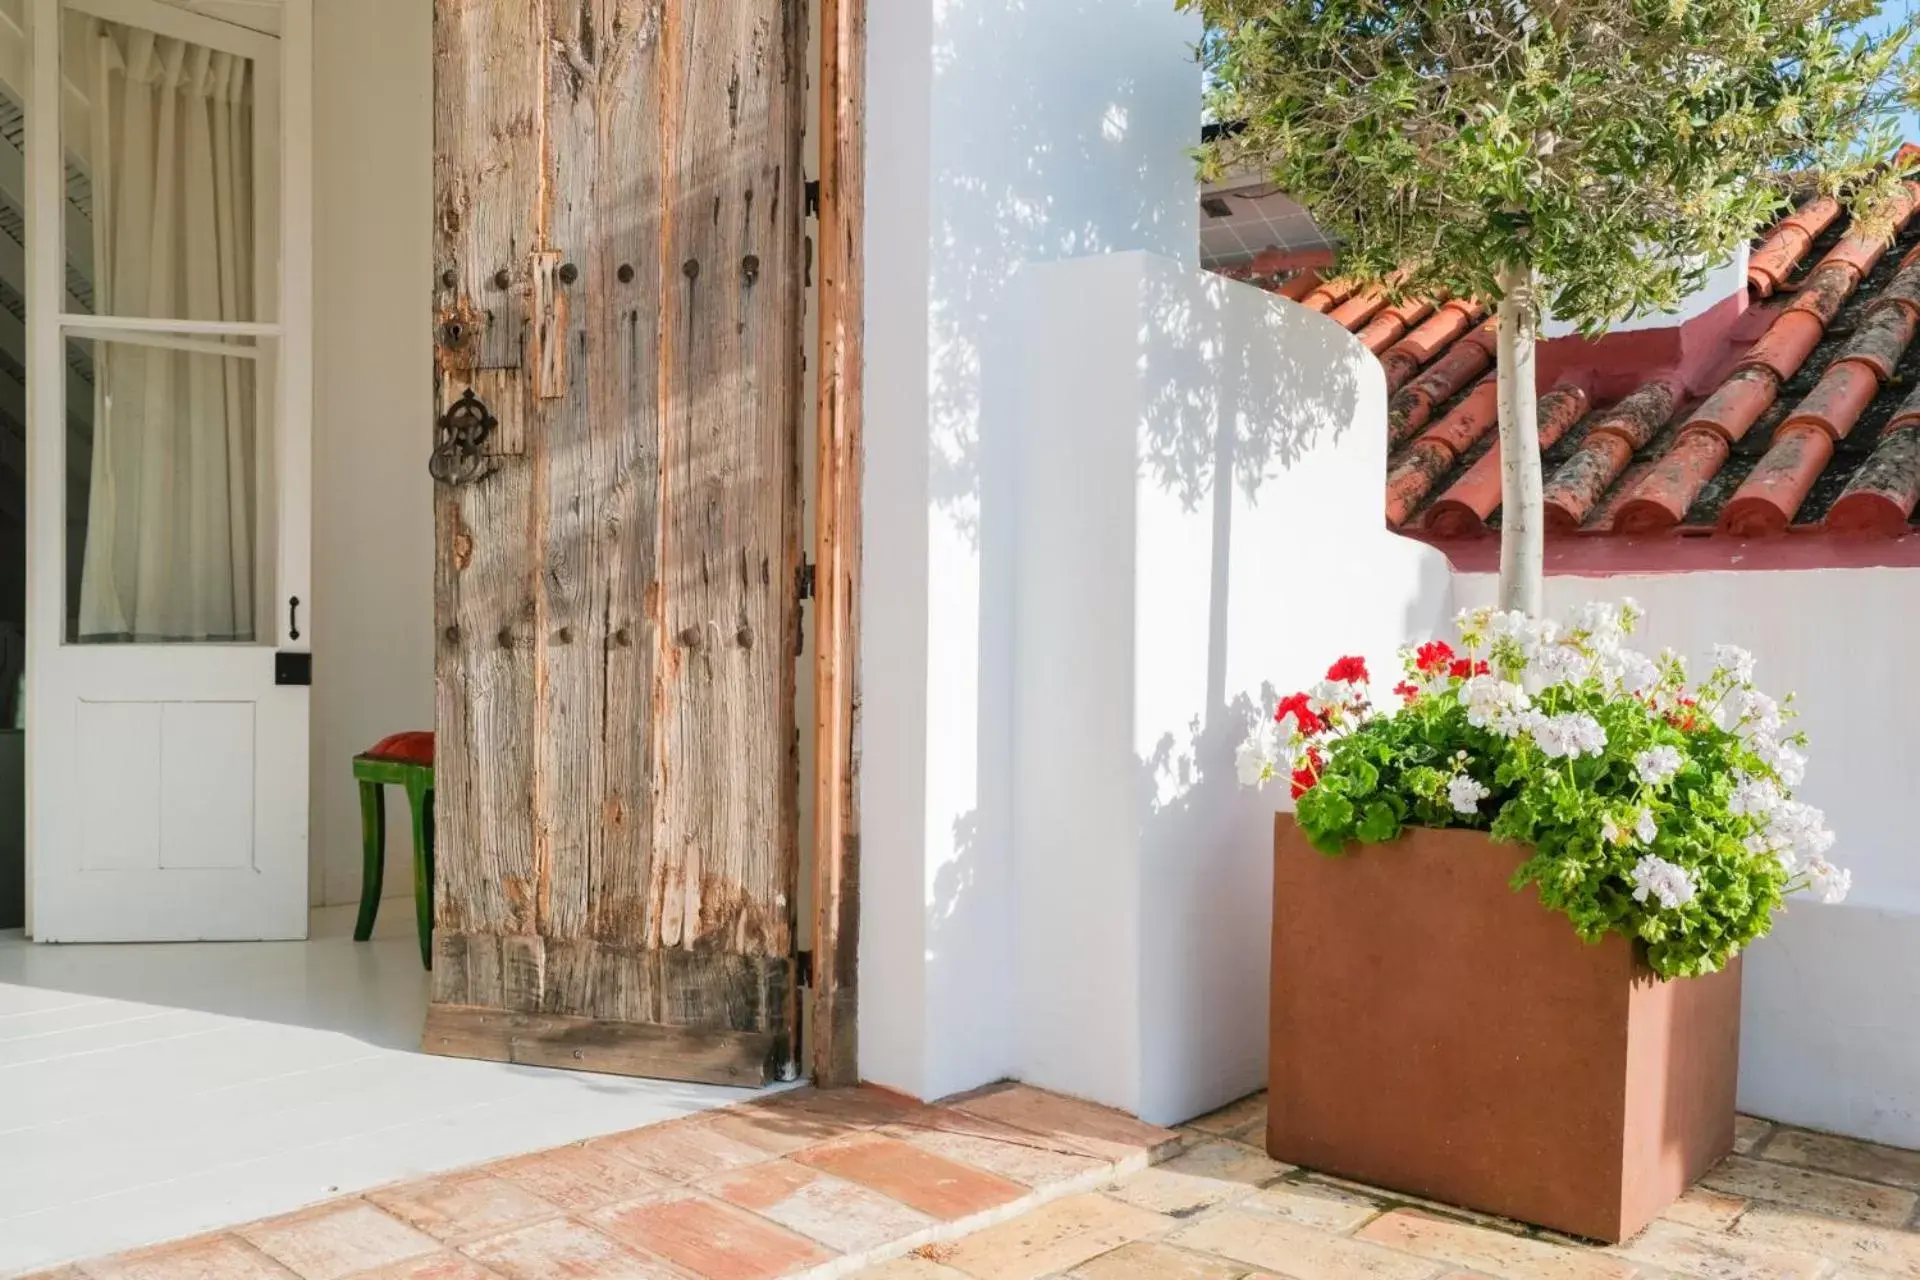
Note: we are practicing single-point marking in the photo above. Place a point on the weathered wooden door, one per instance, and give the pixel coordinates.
(619, 229)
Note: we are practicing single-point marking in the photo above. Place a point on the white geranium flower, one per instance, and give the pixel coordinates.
(1751, 714)
(1656, 765)
(1645, 828)
(1765, 845)
(1556, 664)
(1787, 760)
(1250, 762)
(1471, 620)
(1798, 833)
(1754, 798)
(1495, 704)
(1569, 736)
(1828, 882)
(1605, 627)
(1509, 622)
(1329, 694)
(1734, 660)
(1464, 793)
(1638, 673)
(1655, 877)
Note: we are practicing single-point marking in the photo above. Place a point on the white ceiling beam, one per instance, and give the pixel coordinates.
(79, 230)
(13, 339)
(13, 269)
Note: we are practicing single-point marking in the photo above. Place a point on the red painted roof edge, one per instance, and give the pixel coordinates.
(1613, 555)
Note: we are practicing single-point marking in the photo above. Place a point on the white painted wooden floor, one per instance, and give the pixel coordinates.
(151, 1092)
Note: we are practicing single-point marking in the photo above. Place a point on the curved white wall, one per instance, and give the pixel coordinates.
(1201, 523)
(1000, 132)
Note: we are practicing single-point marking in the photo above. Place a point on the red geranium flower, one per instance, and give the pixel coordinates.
(1433, 656)
(1684, 717)
(1408, 692)
(1462, 669)
(1306, 775)
(1297, 706)
(1350, 669)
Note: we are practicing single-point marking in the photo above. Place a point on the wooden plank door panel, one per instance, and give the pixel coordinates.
(620, 195)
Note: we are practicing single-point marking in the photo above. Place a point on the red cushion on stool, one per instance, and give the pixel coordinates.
(406, 748)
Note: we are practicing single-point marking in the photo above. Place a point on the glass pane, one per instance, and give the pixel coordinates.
(163, 482)
(159, 149)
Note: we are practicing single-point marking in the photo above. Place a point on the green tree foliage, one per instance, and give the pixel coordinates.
(1592, 157)
(1619, 148)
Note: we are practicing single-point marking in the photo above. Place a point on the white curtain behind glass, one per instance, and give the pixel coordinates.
(170, 529)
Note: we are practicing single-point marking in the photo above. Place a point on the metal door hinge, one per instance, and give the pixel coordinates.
(806, 578)
(813, 198)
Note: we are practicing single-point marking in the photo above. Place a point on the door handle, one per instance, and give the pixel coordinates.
(461, 432)
(293, 618)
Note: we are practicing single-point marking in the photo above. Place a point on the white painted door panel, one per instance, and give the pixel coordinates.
(167, 781)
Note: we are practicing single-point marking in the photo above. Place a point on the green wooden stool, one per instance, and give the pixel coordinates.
(404, 760)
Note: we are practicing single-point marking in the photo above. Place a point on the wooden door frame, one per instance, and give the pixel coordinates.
(832, 1052)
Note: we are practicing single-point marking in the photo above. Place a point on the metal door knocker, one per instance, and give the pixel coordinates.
(463, 429)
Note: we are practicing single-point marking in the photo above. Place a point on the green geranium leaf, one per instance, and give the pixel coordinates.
(1378, 823)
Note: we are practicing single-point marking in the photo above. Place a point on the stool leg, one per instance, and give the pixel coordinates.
(426, 909)
(418, 800)
(373, 868)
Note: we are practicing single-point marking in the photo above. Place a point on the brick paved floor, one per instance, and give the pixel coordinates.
(1015, 1184)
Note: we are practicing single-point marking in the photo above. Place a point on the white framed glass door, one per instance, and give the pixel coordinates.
(169, 393)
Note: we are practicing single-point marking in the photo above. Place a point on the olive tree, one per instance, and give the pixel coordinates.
(1589, 159)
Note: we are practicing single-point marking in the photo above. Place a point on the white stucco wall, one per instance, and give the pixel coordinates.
(1725, 281)
(372, 610)
(1201, 521)
(1831, 1030)
(1000, 132)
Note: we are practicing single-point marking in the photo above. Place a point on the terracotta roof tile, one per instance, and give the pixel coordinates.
(1299, 285)
(1439, 447)
(1809, 418)
(1782, 349)
(1768, 499)
(1835, 404)
(1467, 503)
(1575, 489)
(1393, 322)
(1880, 498)
(1660, 498)
(1328, 294)
(1412, 406)
(1786, 245)
(1435, 334)
(1360, 308)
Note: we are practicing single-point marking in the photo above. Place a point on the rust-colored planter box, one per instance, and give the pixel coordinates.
(1436, 1033)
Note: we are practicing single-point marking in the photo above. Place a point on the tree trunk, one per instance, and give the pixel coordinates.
(1522, 518)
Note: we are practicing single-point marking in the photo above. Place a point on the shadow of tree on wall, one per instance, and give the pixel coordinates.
(1057, 134)
(1061, 129)
(1226, 400)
